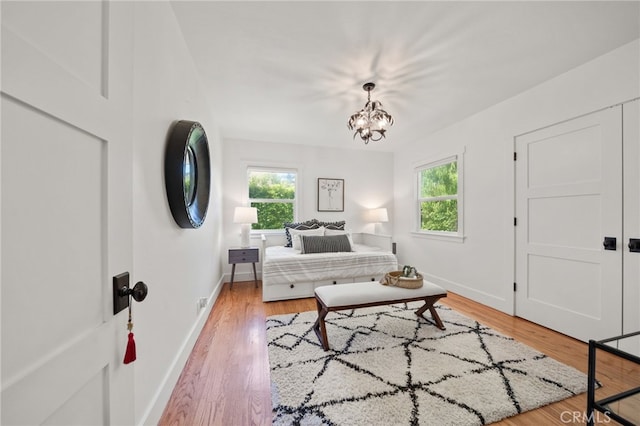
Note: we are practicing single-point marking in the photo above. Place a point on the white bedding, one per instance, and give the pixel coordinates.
(284, 264)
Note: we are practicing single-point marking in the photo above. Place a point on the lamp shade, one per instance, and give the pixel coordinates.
(379, 215)
(245, 215)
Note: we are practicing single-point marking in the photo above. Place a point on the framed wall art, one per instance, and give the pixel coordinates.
(330, 195)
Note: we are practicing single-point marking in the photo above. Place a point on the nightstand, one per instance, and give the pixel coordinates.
(243, 255)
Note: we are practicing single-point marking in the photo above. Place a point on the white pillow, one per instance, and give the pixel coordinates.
(339, 232)
(295, 235)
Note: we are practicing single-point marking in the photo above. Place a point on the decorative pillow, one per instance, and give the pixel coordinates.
(330, 244)
(309, 224)
(328, 232)
(296, 233)
(331, 225)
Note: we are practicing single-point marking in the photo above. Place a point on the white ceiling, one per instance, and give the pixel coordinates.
(293, 72)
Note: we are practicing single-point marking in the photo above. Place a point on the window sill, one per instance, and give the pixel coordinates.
(441, 236)
(258, 232)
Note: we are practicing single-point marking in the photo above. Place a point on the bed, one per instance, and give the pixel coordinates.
(287, 273)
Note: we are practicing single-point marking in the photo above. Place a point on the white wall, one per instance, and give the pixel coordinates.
(179, 265)
(368, 177)
(482, 267)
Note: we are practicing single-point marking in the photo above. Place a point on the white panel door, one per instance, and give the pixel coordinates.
(66, 217)
(568, 198)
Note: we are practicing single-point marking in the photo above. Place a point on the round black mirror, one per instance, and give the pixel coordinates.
(188, 173)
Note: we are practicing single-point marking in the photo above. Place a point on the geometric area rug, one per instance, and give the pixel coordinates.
(386, 366)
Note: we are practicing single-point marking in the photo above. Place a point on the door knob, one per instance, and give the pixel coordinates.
(609, 243)
(122, 291)
(138, 292)
(634, 245)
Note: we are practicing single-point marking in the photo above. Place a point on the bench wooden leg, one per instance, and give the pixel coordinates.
(320, 327)
(428, 304)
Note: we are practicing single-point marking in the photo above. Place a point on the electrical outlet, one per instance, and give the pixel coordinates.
(202, 302)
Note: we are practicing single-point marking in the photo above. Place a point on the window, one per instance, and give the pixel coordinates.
(439, 197)
(273, 192)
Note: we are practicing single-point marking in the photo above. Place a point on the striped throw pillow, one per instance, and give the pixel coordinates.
(324, 244)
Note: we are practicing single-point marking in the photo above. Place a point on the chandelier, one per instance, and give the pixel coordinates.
(371, 122)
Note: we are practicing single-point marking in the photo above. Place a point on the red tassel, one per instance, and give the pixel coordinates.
(130, 353)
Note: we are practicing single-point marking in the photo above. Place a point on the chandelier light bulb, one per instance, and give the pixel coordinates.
(370, 122)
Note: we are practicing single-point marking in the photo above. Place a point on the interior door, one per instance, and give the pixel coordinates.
(66, 217)
(568, 199)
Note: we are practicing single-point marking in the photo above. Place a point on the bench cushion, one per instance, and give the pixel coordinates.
(371, 292)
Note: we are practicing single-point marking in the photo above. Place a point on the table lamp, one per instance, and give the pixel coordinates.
(378, 216)
(245, 216)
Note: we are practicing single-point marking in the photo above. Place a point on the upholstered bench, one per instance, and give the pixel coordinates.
(361, 295)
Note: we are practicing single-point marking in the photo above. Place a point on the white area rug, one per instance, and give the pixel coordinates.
(386, 366)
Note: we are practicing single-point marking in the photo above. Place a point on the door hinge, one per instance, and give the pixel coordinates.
(515, 286)
(515, 221)
(515, 156)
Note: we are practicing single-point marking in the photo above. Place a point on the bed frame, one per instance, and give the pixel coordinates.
(295, 290)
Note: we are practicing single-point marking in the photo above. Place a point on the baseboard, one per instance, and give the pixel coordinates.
(242, 276)
(161, 398)
(487, 299)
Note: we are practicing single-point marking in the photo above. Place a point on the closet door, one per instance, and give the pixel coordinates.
(568, 200)
(631, 259)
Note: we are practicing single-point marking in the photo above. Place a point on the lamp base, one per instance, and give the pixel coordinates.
(244, 235)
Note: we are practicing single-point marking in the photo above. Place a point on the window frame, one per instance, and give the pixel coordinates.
(441, 160)
(294, 201)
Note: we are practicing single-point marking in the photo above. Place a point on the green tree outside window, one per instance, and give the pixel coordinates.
(438, 198)
(273, 194)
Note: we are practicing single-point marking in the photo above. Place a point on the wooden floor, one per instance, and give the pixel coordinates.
(226, 380)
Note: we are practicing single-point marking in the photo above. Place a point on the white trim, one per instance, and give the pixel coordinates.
(441, 236)
(578, 116)
(267, 232)
(446, 160)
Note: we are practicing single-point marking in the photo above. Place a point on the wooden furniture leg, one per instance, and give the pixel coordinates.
(320, 327)
(428, 304)
(233, 272)
(255, 276)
